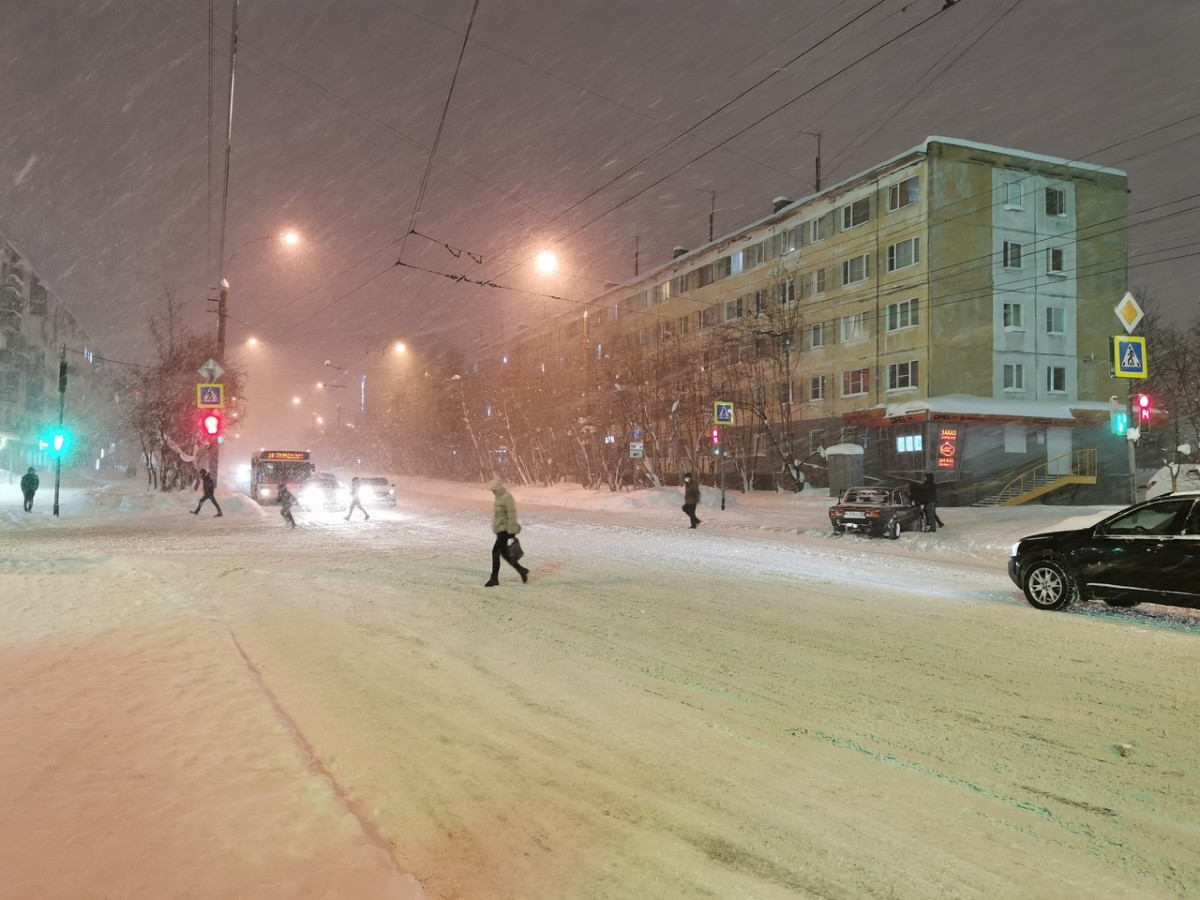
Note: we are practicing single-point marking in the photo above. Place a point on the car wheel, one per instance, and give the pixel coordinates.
(1048, 585)
(891, 530)
(839, 529)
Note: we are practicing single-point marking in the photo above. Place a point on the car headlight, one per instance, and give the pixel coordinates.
(1015, 548)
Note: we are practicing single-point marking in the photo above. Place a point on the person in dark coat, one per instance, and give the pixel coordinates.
(925, 496)
(286, 501)
(207, 483)
(29, 486)
(691, 498)
(505, 527)
(356, 501)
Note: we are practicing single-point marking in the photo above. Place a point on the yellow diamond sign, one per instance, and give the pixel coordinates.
(1128, 312)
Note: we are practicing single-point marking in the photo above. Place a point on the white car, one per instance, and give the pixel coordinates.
(1187, 478)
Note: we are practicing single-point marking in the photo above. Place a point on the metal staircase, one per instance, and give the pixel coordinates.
(1038, 479)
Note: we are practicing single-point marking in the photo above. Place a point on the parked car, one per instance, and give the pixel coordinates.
(1146, 553)
(1187, 478)
(878, 511)
(376, 491)
(322, 490)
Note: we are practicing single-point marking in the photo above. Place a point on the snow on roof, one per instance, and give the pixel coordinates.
(992, 148)
(990, 406)
(844, 450)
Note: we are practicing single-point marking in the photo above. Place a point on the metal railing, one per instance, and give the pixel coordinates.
(1076, 467)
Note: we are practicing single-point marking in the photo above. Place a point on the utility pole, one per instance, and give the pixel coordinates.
(817, 135)
(62, 393)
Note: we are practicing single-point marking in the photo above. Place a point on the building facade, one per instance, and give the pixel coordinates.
(948, 311)
(35, 328)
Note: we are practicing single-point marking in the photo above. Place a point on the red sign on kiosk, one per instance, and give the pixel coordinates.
(947, 448)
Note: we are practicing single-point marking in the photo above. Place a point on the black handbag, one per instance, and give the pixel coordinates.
(515, 552)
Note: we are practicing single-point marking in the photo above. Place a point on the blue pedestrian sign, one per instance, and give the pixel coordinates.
(210, 396)
(722, 413)
(1129, 357)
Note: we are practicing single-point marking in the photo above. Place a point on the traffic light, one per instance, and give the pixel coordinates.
(716, 441)
(212, 425)
(1143, 409)
(1118, 416)
(57, 441)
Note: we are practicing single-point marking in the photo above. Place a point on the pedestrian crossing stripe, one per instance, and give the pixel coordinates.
(1129, 357)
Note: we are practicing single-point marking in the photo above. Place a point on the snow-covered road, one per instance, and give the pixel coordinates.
(204, 707)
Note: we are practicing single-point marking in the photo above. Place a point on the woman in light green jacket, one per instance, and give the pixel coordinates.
(505, 526)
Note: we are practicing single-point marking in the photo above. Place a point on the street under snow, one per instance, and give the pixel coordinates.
(196, 707)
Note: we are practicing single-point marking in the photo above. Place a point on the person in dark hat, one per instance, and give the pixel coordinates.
(206, 482)
(691, 498)
(29, 486)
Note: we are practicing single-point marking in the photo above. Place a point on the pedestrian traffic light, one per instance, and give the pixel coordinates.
(57, 441)
(716, 440)
(1143, 408)
(212, 425)
(1118, 416)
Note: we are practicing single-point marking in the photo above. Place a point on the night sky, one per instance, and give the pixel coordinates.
(596, 128)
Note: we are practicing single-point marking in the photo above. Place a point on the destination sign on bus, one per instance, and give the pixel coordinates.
(284, 454)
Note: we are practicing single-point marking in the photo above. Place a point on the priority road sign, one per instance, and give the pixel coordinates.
(210, 396)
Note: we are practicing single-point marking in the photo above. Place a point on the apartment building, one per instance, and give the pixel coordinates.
(948, 310)
(34, 326)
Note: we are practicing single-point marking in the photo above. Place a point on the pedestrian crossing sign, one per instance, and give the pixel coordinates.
(1129, 357)
(210, 396)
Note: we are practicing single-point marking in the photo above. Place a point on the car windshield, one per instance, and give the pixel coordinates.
(1157, 518)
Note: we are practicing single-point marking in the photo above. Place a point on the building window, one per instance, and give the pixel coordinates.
(758, 304)
(909, 443)
(902, 375)
(733, 309)
(856, 382)
(683, 325)
(1014, 317)
(816, 335)
(816, 283)
(787, 292)
(901, 315)
(1012, 255)
(1014, 377)
(664, 291)
(856, 213)
(854, 328)
(1014, 195)
(816, 388)
(1056, 379)
(1056, 202)
(786, 396)
(709, 316)
(1056, 320)
(735, 263)
(679, 284)
(903, 254)
(787, 241)
(819, 230)
(1054, 261)
(816, 440)
(856, 270)
(754, 255)
(904, 194)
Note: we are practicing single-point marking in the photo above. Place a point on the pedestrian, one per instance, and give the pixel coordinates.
(207, 483)
(691, 498)
(925, 496)
(29, 486)
(286, 501)
(355, 501)
(505, 527)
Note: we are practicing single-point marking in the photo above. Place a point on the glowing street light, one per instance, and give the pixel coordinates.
(546, 261)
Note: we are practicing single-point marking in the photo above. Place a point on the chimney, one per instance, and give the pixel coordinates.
(678, 252)
(780, 203)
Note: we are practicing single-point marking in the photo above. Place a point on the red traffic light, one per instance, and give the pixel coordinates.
(211, 424)
(1143, 405)
(716, 435)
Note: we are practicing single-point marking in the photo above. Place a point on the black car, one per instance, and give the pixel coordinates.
(1146, 553)
(878, 511)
